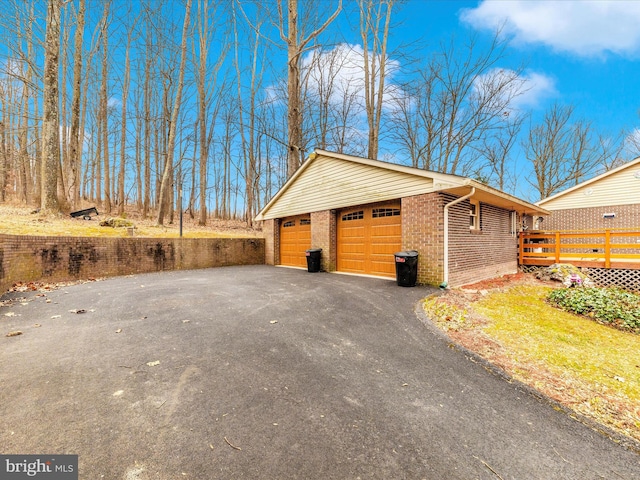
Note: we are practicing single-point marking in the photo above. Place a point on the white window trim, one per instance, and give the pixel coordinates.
(474, 218)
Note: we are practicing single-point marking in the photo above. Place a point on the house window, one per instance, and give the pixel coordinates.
(474, 215)
(305, 221)
(290, 223)
(385, 212)
(359, 215)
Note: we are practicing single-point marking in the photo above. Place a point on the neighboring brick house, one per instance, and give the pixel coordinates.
(361, 211)
(608, 201)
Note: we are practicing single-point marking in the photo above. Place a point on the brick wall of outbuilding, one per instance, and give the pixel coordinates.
(271, 244)
(51, 259)
(324, 236)
(627, 216)
(478, 255)
(423, 230)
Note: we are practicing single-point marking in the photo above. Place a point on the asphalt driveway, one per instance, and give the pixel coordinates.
(271, 373)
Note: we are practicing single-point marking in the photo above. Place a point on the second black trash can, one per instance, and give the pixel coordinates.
(406, 268)
(313, 259)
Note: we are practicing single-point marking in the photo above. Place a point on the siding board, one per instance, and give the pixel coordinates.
(621, 187)
(336, 183)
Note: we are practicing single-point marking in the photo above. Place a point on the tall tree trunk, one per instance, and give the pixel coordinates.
(165, 186)
(50, 125)
(104, 114)
(76, 137)
(146, 108)
(295, 48)
(123, 126)
(374, 64)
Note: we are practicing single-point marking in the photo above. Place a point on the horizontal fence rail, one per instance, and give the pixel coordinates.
(594, 249)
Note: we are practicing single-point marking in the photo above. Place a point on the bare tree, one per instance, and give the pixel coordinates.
(51, 123)
(296, 45)
(561, 151)
(75, 136)
(206, 82)
(165, 186)
(375, 63)
(104, 113)
(332, 100)
(123, 119)
(497, 149)
(455, 101)
(247, 117)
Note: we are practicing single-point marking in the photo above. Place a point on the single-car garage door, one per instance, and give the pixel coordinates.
(295, 240)
(367, 239)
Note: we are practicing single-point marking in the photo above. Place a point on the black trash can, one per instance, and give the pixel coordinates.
(406, 268)
(313, 259)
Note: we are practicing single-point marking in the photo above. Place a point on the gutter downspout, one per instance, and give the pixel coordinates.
(445, 282)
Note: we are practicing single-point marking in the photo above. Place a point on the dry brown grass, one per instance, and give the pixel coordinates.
(588, 367)
(21, 220)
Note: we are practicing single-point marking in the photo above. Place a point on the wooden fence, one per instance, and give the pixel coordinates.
(619, 248)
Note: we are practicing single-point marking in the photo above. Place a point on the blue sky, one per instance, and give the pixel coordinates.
(586, 53)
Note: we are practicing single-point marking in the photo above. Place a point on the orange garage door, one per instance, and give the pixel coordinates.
(367, 239)
(295, 240)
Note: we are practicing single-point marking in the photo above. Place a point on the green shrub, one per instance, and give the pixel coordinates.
(610, 306)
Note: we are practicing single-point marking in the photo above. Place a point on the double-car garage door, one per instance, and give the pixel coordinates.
(367, 238)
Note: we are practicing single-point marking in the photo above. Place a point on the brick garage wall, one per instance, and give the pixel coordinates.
(627, 216)
(27, 258)
(269, 229)
(324, 236)
(475, 256)
(423, 230)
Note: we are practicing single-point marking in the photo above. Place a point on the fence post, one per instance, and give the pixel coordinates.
(607, 249)
(557, 247)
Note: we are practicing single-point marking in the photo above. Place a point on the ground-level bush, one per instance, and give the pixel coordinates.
(610, 306)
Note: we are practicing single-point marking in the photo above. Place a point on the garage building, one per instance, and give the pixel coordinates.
(361, 211)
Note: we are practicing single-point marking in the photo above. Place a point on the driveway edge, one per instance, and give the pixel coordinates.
(619, 438)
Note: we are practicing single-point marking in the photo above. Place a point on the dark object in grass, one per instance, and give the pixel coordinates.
(85, 213)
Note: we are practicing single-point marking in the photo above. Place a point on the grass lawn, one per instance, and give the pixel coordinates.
(19, 220)
(591, 368)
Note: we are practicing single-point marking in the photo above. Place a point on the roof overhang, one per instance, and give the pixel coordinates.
(447, 183)
(493, 196)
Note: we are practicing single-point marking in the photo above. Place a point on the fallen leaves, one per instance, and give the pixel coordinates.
(14, 333)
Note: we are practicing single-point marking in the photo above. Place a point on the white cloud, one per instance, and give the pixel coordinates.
(114, 102)
(521, 91)
(582, 27)
(342, 70)
(537, 87)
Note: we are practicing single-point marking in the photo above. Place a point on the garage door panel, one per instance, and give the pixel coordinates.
(295, 240)
(367, 239)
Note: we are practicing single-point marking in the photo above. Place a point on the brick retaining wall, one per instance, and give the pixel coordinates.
(51, 259)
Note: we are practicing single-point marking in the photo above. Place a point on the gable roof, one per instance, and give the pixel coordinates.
(328, 180)
(619, 186)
